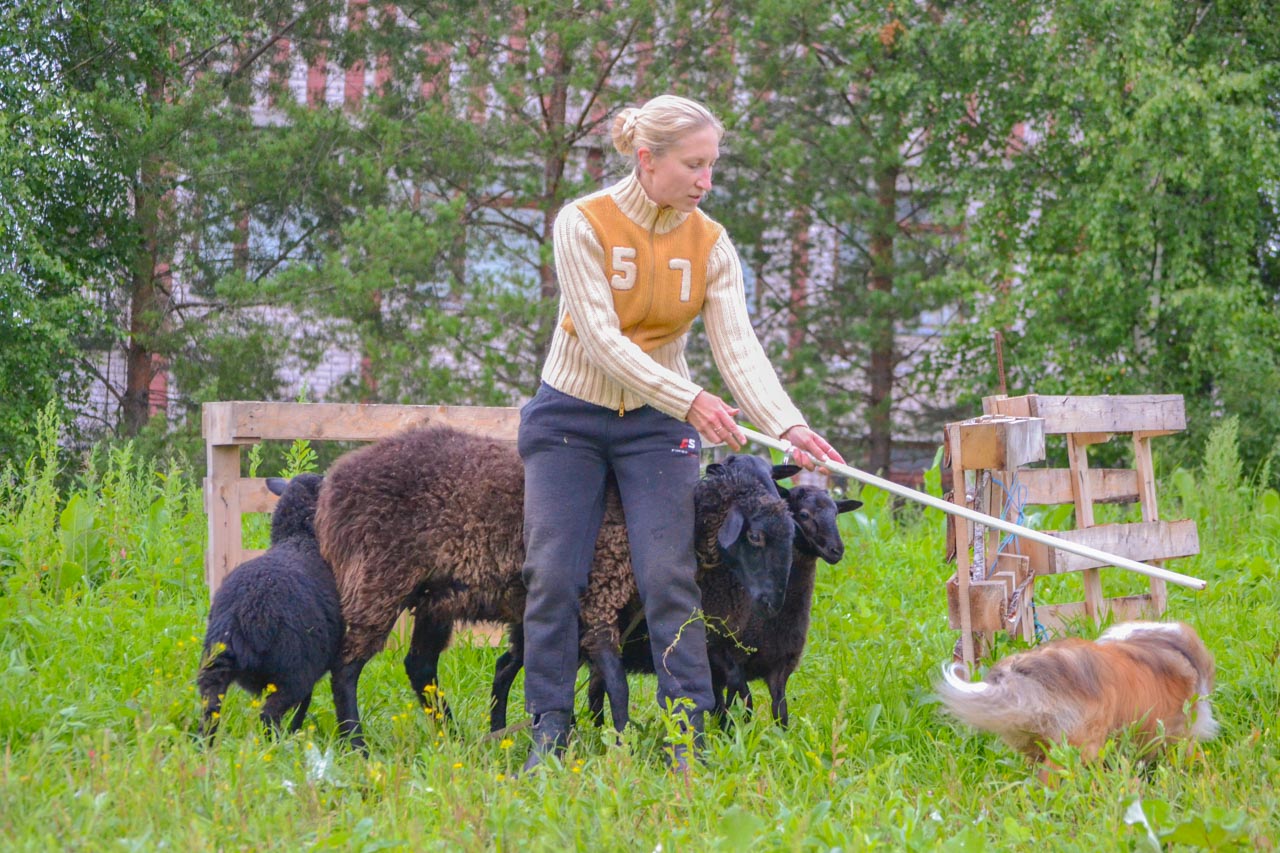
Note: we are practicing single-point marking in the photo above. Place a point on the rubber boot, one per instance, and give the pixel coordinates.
(550, 737)
(690, 747)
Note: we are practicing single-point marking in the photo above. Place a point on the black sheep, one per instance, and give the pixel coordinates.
(776, 642)
(275, 624)
(759, 645)
(744, 543)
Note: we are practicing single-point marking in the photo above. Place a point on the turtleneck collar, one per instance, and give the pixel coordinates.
(633, 201)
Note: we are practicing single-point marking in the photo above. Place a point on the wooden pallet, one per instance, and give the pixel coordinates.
(992, 589)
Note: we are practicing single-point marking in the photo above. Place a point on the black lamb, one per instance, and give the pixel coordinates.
(769, 647)
(275, 624)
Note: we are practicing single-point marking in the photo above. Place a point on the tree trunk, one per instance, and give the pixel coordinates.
(799, 295)
(146, 300)
(556, 106)
(883, 355)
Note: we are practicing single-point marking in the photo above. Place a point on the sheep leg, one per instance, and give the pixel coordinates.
(737, 687)
(300, 713)
(595, 698)
(505, 670)
(344, 682)
(718, 679)
(614, 679)
(777, 684)
(422, 662)
(213, 685)
(278, 704)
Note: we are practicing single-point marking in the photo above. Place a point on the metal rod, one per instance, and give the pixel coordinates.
(989, 520)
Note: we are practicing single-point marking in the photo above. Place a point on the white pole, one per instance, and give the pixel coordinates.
(989, 520)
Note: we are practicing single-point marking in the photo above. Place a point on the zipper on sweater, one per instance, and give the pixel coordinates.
(653, 267)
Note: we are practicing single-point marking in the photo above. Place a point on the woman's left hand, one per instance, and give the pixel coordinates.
(810, 450)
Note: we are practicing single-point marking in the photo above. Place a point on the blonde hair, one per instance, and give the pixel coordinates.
(660, 124)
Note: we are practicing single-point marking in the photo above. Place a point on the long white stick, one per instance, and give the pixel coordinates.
(989, 520)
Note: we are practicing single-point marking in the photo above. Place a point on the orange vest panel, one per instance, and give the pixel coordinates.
(659, 281)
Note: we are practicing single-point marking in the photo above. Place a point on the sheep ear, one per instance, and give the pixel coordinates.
(715, 469)
(731, 527)
(847, 505)
(783, 491)
(277, 485)
(782, 472)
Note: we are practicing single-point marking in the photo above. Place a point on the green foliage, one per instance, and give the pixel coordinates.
(1131, 229)
(57, 197)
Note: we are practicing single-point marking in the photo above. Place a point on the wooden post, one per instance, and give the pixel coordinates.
(1078, 459)
(1150, 511)
(222, 506)
(963, 564)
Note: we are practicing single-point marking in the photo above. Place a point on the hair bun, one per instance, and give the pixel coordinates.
(624, 131)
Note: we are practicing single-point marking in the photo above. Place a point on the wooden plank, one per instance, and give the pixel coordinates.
(1018, 567)
(222, 509)
(1144, 541)
(1150, 510)
(1078, 458)
(1062, 618)
(987, 602)
(1001, 443)
(1014, 407)
(1100, 414)
(216, 422)
(1052, 486)
(963, 564)
(255, 496)
(247, 554)
(247, 422)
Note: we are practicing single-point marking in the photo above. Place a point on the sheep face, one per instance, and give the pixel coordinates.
(756, 533)
(815, 512)
(756, 547)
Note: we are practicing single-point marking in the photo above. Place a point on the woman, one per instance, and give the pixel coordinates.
(636, 263)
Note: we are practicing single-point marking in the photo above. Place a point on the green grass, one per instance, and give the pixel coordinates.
(102, 610)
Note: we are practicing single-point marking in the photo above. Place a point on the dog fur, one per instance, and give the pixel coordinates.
(1143, 674)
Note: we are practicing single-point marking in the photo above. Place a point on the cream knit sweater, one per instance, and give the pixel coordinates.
(600, 365)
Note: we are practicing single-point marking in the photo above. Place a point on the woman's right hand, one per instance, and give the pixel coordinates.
(713, 419)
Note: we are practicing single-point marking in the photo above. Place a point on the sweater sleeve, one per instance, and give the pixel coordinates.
(585, 294)
(739, 356)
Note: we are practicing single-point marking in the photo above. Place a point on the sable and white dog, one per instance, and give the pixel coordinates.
(1143, 674)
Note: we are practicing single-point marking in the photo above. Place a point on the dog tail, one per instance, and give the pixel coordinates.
(1014, 707)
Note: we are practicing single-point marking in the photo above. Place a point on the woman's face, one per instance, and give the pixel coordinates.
(681, 176)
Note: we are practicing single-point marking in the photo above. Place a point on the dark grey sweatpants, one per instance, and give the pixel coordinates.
(568, 446)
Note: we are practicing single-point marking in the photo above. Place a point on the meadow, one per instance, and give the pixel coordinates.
(102, 612)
